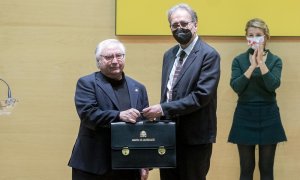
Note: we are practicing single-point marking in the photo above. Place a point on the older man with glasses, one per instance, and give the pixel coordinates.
(101, 98)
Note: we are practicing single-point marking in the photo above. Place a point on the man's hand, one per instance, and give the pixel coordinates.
(129, 115)
(144, 174)
(152, 112)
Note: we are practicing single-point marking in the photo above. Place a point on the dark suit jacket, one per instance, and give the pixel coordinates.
(194, 94)
(97, 107)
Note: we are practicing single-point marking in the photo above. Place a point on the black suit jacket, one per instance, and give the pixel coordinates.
(97, 107)
(194, 94)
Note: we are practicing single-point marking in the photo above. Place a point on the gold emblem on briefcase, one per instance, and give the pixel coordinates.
(143, 134)
(125, 151)
(161, 150)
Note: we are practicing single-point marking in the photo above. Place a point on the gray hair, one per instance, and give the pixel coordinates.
(184, 7)
(104, 44)
(258, 23)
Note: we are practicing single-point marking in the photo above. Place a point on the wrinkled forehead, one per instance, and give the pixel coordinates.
(180, 15)
(112, 49)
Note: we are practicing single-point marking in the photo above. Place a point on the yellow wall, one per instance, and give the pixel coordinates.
(230, 16)
(45, 46)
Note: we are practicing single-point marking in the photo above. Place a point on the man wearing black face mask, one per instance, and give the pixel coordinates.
(190, 77)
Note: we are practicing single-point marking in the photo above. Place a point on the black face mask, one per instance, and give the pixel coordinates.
(182, 36)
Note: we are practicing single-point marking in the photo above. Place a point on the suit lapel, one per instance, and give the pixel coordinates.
(108, 90)
(133, 92)
(168, 68)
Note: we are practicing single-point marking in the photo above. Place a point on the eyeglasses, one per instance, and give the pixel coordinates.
(119, 57)
(182, 24)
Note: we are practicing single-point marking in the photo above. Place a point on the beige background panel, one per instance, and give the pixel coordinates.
(46, 46)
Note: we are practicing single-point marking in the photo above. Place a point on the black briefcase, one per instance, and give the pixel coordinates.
(145, 144)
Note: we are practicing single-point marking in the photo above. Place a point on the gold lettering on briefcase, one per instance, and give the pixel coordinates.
(161, 150)
(143, 137)
(125, 151)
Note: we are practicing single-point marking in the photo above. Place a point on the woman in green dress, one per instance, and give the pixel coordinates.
(255, 76)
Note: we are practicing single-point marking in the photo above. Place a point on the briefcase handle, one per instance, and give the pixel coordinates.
(155, 121)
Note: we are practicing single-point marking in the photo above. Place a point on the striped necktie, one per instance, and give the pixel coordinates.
(176, 73)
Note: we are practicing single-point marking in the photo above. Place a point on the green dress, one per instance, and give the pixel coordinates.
(256, 118)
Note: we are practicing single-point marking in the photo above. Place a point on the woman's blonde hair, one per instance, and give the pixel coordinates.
(258, 23)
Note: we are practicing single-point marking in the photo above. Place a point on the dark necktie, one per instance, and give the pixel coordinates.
(176, 73)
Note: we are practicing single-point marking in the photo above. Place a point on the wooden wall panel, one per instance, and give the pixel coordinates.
(45, 46)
